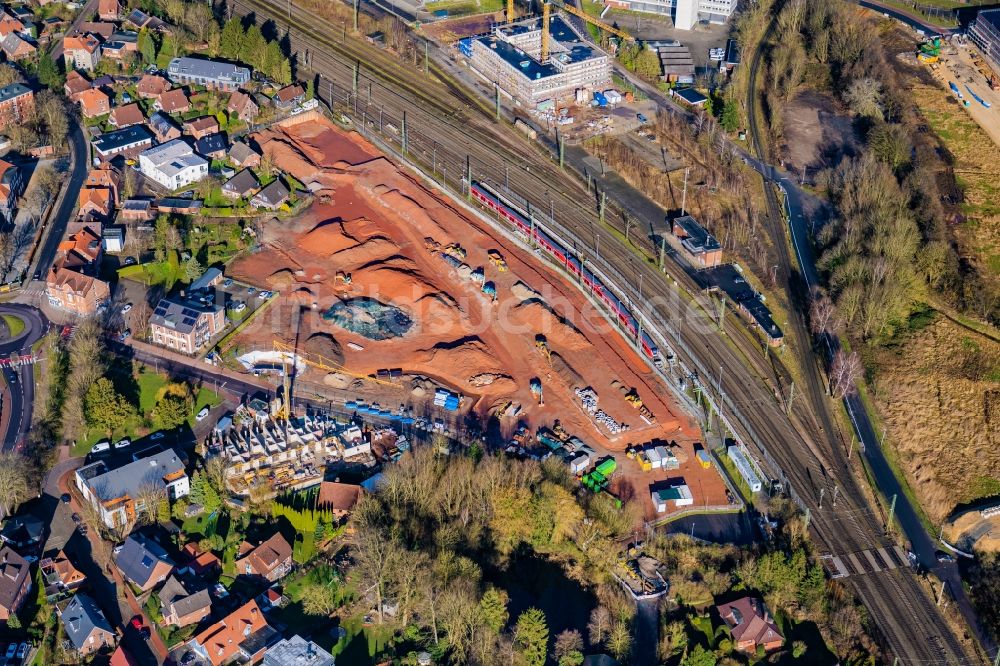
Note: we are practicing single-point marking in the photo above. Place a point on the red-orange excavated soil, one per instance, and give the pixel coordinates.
(370, 221)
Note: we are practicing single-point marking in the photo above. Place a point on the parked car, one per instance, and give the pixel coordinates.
(77, 519)
(642, 118)
(239, 307)
(157, 435)
(102, 445)
(123, 443)
(11, 650)
(11, 376)
(203, 413)
(130, 261)
(188, 657)
(136, 622)
(251, 290)
(943, 557)
(228, 282)
(22, 650)
(65, 497)
(126, 308)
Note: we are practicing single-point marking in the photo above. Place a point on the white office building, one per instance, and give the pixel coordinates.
(173, 164)
(685, 13)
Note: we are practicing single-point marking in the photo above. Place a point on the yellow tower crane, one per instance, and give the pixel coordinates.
(544, 57)
(321, 362)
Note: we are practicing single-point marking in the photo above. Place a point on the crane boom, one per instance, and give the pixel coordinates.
(591, 20)
(326, 364)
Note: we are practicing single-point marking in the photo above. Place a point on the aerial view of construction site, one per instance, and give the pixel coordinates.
(392, 296)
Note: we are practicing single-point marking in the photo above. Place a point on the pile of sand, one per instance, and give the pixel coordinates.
(523, 292)
(368, 252)
(325, 345)
(541, 318)
(463, 357)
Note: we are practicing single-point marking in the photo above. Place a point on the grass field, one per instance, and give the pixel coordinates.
(938, 394)
(15, 324)
(466, 7)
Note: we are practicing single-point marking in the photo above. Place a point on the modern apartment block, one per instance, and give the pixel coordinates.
(509, 57)
(118, 494)
(186, 324)
(985, 33)
(685, 13)
(208, 73)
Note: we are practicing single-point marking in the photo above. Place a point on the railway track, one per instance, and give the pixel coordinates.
(451, 135)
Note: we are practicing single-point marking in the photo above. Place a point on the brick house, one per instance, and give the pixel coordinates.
(76, 293)
(185, 324)
(143, 562)
(339, 498)
(17, 49)
(270, 560)
(76, 84)
(124, 116)
(202, 126)
(86, 627)
(109, 10)
(15, 582)
(94, 103)
(241, 636)
(181, 607)
(173, 101)
(243, 106)
(17, 102)
(751, 625)
(151, 86)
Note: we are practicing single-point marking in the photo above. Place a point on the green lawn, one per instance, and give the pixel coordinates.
(15, 324)
(466, 7)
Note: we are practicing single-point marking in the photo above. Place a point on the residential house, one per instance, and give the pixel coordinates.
(242, 636)
(11, 186)
(750, 625)
(137, 210)
(141, 19)
(272, 196)
(121, 657)
(87, 629)
(17, 49)
(212, 146)
(151, 86)
(143, 562)
(173, 101)
(94, 102)
(200, 564)
(95, 204)
(186, 324)
(338, 498)
(9, 24)
(102, 31)
(209, 73)
(24, 532)
(201, 126)
(113, 239)
(164, 127)
(76, 83)
(270, 560)
(243, 106)
(81, 250)
(120, 45)
(17, 102)
(173, 164)
(15, 582)
(128, 142)
(124, 116)
(105, 82)
(289, 97)
(242, 184)
(104, 178)
(297, 651)
(109, 10)
(60, 575)
(180, 607)
(81, 52)
(118, 494)
(242, 155)
(76, 293)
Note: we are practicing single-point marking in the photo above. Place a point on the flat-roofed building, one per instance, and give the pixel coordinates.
(209, 73)
(173, 164)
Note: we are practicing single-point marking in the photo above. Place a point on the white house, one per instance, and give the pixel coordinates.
(120, 493)
(173, 164)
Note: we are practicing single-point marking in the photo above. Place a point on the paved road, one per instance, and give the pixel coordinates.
(67, 201)
(22, 390)
(910, 19)
(86, 12)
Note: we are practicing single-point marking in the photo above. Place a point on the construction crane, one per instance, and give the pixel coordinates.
(320, 362)
(575, 12)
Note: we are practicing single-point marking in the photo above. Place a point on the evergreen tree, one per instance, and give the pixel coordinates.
(49, 73)
(493, 609)
(231, 42)
(531, 635)
(147, 46)
(310, 89)
(105, 407)
(730, 116)
(253, 48)
(203, 493)
(284, 76)
(271, 60)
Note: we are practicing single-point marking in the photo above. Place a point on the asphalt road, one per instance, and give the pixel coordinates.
(66, 206)
(20, 394)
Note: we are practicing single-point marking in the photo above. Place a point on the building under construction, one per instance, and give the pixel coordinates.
(531, 69)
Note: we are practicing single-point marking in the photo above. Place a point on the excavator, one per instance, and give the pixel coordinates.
(930, 51)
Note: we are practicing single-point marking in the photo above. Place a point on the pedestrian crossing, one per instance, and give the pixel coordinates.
(871, 561)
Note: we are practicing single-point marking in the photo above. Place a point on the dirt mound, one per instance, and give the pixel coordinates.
(373, 250)
(566, 371)
(523, 292)
(486, 379)
(281, 279)
(324, 344)
(541, 318)
(465, 357)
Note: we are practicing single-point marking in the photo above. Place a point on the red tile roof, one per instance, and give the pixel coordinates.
(222, 640)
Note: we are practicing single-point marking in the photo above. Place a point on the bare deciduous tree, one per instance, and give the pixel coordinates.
(845, 372)
(14, 484)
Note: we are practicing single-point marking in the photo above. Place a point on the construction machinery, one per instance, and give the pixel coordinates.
(544, 57)
(536, 389)
(930, 50)
(455, 250)
(542, 345)
(497, 260)
(290, 354)
(632, 397)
